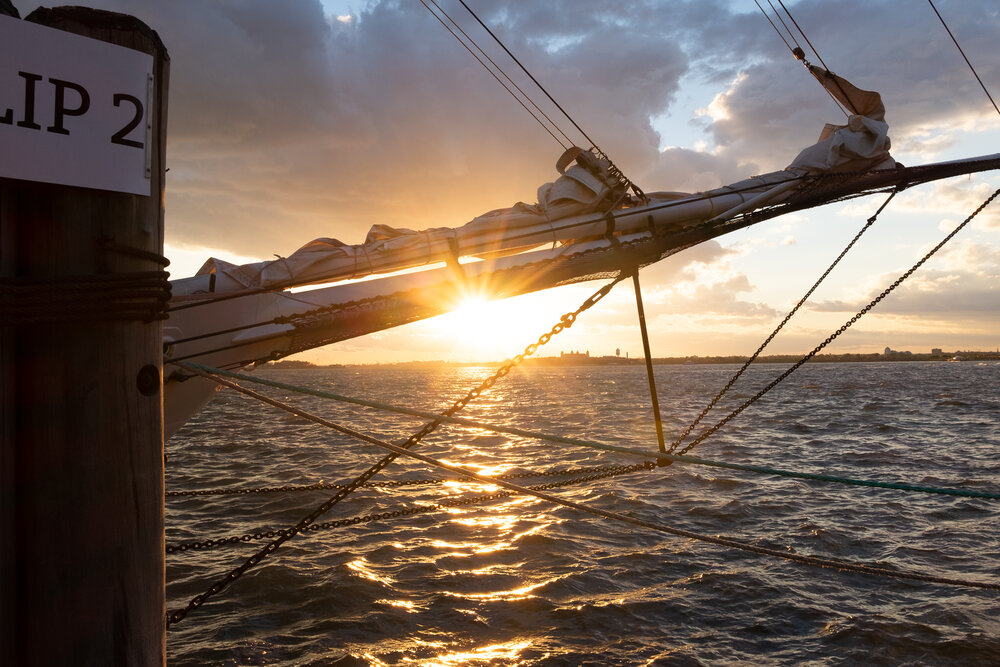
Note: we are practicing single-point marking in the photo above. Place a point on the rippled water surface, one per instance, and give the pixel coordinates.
(519, 581)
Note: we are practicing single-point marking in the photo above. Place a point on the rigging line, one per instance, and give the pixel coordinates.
(495, 65)
(800, 55)
(790, 48)
(940, 18)
(530, 76)
(841, 565)
(732, 381)
(388, 484)
(590, 444)
(783, 25)
(709, 431)
(519, 101)
(803, 33)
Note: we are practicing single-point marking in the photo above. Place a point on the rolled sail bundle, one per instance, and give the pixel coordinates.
(585, 186)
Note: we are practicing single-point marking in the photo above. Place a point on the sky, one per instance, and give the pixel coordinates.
(301, 119)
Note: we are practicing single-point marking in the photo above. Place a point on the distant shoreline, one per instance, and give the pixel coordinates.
(581, 360)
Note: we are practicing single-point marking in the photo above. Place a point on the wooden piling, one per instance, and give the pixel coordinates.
(81, 416)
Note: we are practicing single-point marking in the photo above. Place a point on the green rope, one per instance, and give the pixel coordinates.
(598, 445)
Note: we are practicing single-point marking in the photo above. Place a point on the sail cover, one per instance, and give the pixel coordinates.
(585, 186)
(863, 143)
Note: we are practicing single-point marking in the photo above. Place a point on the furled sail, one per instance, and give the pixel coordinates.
(863, 143)
(568, 209)
(586, 185)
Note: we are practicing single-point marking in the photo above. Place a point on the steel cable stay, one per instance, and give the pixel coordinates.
(841, 565)
(797, 50)
(801, 32)
(711, 404)
(395, 483)
(776, 29)
(498, 70)
(753, 399)
(967, 61)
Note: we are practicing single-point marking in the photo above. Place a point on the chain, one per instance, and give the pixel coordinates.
(864, 311)
(564, 322)
(386, 484)
(767, 341)
(599, 472)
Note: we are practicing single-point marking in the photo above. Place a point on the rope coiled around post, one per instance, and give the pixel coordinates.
(141, 296)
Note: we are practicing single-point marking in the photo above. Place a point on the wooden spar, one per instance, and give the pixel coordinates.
(81, 431)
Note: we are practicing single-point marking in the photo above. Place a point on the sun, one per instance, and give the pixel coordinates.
(474, 326)
(480, 329)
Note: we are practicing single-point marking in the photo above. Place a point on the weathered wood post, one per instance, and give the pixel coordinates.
(82, 295)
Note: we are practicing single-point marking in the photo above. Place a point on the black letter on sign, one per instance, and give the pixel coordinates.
(61, 110)
(119, 137)
(8, 117)
(29, 101)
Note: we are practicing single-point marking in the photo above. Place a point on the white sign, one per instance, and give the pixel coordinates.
(73, 110)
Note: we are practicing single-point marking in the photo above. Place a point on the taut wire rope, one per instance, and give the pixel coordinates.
(797, 50)
(614, 169)
(602, 473)
(501, 71)
(803, 33)
(967, 62)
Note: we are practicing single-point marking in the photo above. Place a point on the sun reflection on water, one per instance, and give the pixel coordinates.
(506, 653)
(363, 569)
(521, 593)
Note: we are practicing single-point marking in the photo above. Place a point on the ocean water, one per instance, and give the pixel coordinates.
(520, 581)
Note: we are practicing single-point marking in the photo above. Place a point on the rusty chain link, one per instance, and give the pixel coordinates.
(864, 311)
(597, 472)
(736, 376)
(564, 322)
(317, 486)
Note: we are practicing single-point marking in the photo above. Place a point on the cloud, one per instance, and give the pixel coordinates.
(774, 108)
(933, 293)
(287, 124)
